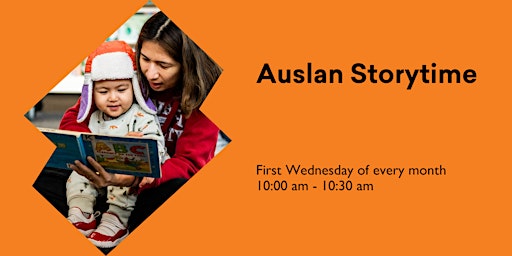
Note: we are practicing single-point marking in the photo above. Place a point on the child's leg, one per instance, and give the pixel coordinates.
(81, 197)
(80, 193)
(121, 202)
(113, 227)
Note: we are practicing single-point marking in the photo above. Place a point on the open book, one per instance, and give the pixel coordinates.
(117, 154)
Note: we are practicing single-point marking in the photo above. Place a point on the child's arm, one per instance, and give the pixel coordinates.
(194, 148)
(148, 126)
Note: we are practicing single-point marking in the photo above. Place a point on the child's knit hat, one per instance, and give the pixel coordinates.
(112, 60)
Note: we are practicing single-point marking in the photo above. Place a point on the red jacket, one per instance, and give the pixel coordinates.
(193, 147)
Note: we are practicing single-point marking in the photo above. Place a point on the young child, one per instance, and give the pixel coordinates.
(111, 84)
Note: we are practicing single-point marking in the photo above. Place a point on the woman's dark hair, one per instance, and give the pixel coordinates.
(199, 72)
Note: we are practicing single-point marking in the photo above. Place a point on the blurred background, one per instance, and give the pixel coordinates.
(49, 110)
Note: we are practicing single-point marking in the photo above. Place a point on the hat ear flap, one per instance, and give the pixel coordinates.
(85, 99)
(147, 105)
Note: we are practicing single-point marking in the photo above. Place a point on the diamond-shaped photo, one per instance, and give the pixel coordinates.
(127, 128)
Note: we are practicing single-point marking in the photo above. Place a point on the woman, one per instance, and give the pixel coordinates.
(175, 77)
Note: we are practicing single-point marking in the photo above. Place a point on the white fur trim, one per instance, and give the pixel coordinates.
(112, 65)
(138, 96)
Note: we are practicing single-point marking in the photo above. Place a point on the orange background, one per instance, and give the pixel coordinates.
(465, 128)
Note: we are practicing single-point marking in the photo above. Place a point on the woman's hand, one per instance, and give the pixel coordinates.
(99, 177)
(135, 134)
(146, 181)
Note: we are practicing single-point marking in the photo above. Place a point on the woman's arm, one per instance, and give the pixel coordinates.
(194, 148)
(102, 178)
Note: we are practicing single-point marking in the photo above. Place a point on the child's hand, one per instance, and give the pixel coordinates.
(146, 181)
(134, 134)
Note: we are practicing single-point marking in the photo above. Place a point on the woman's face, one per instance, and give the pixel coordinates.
(161, 70)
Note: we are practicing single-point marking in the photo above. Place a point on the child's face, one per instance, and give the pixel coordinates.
(161, 70)
(113, 97)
